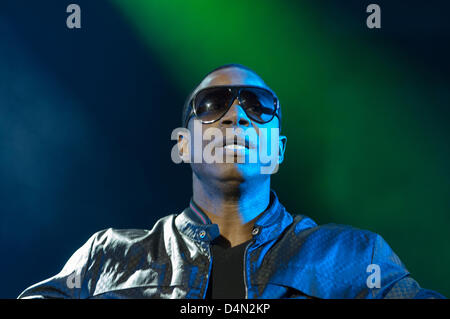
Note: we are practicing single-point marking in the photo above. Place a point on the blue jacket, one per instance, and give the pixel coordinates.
(288, 257)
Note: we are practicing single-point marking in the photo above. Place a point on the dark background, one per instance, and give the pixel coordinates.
(86, 117)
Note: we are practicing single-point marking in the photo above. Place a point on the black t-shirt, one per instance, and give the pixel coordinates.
(227, 273)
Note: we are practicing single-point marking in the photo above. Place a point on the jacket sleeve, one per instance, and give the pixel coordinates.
(69, 282)
(396, 282)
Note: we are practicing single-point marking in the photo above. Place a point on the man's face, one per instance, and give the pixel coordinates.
(238, 163)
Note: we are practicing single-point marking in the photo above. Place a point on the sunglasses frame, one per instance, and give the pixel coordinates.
(236, 91)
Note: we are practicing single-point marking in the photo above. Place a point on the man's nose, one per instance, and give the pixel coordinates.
(235, 116)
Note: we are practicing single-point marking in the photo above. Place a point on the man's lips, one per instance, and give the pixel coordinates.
(235, 147)
(236, 143)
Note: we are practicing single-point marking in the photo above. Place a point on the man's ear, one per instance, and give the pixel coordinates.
(184, 145)
(282, 146)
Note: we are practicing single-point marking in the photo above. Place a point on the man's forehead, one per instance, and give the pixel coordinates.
(232, 76)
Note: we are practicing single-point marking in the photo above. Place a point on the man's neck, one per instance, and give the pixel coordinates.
(233, 206)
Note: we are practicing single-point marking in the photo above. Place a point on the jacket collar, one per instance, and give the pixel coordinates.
(195, 224)
(272, 222)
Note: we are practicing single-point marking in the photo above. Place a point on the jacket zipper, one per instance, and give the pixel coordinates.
(209, 272)
(245, 268)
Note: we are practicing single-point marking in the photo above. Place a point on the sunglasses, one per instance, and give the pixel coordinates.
(211, 104)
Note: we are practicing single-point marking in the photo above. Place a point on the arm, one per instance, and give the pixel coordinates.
(396, 282)
(69, 282)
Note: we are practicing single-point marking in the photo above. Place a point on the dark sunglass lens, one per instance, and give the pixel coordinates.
(211, 104)
(259, 104)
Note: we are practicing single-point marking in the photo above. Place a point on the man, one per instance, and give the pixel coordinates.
(235, 240)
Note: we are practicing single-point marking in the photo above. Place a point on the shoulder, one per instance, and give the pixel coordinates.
(346, 248)
(345, 235)
(341, 242)
(123, 239)
(339, 256)
(346, 243)
(332, 234)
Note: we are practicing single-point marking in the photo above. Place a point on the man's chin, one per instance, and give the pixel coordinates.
(236, 171)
